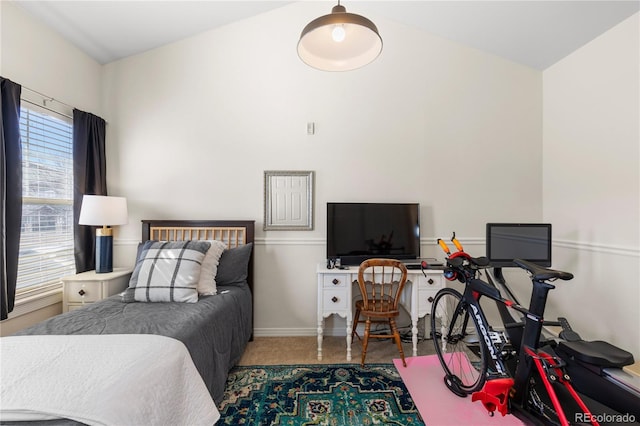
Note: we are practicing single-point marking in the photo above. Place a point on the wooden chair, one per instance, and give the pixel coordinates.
(381, 282)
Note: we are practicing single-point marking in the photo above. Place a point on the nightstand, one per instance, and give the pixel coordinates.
(88, 287)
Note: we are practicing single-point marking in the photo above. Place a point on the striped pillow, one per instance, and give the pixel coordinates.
(168, 271)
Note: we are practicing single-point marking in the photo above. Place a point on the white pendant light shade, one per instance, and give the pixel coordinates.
(339, 41)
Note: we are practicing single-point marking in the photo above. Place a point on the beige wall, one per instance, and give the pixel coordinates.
(195, 124)
(591, 181)
(40, 59)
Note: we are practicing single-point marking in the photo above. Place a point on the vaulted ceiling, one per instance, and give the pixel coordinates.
(534, 33)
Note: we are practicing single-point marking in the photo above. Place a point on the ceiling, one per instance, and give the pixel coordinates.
(535, 33)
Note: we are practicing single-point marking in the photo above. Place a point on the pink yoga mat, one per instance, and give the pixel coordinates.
(437, 405)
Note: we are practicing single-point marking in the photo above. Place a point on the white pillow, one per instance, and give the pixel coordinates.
(209, 268)
(168, 271)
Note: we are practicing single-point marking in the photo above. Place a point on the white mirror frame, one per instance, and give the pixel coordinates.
(288, 200)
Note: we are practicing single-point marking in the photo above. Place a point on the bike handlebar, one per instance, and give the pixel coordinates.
(476, 262)
(462, 266)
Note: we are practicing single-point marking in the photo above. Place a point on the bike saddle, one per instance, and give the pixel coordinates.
(540, 273)
(598, 353)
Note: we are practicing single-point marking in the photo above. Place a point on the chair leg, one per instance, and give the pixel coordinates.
(356, 318)
(365, 342)
(396, 336)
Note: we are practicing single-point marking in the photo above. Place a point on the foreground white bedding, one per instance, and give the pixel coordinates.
(102, 380)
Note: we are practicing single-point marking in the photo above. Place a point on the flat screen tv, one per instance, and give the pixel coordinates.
(528, 241)
(359, 231)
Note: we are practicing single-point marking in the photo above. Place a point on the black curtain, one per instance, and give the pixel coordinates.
(89, 177)
(10, 192)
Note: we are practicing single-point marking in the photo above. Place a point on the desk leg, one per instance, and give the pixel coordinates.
(427, 326)
(349, 325)
(320, 332)
(414, 335)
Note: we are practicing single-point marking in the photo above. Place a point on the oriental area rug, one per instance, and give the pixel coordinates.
(327, 395)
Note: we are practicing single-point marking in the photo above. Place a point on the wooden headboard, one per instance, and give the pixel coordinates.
(233, 233)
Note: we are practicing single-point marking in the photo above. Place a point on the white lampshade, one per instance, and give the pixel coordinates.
(102, 210)
(339, 41)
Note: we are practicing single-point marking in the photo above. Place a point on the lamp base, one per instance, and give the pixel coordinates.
(104, 254)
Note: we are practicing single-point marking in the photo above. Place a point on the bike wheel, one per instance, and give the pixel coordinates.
(456, 340)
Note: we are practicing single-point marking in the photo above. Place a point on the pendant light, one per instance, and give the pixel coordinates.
(339, 41)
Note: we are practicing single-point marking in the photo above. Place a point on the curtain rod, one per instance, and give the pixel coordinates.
(47, 108)
(48, 98)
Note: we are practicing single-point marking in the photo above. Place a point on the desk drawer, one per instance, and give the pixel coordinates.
(334, 300)
(431, 282)
(425, 300)
(335, 280)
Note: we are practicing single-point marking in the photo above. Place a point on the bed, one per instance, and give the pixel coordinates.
(122, 330)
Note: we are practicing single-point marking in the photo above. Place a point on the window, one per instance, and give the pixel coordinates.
(46, 240)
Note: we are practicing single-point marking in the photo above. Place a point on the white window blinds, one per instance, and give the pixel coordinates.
(46, 240)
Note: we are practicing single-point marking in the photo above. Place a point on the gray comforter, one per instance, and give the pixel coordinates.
(215, 330)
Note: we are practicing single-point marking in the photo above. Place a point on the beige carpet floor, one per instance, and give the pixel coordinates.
(304, 350)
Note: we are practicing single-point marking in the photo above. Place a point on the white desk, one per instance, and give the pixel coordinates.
(335, 296)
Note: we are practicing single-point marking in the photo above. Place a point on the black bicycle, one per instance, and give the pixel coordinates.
(523, 378)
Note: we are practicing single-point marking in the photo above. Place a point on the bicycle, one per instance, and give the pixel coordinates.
(482, 362)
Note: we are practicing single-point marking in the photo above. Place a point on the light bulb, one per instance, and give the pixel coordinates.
(338, 33)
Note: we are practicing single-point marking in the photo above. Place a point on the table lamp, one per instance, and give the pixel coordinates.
(102, 210)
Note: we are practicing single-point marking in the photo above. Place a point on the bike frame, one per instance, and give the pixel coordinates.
(506, 387)
(528, 356)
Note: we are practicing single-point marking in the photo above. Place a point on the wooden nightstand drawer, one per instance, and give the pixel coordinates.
(74, 306)
(82, 291)
(89, 287)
